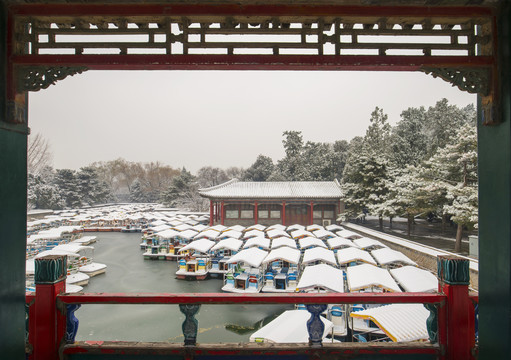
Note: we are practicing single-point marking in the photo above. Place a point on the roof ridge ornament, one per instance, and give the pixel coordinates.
(35, 78)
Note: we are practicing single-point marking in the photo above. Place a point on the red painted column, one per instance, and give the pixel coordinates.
(454, 278)
(255, 213)
(50, 280)
(211, 213)
(222, 212)
(284, 213)
(312, 213)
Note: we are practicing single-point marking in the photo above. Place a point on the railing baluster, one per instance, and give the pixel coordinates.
(315, 326)
(71, 323)
(190, 325)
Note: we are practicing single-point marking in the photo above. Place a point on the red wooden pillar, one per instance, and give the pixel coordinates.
(222, 212)
(211, 213)
(284, 213)
(454, 278)
(255, 213)
(49, 323)
(312, 213)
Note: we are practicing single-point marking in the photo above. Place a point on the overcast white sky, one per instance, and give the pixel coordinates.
(216, 118)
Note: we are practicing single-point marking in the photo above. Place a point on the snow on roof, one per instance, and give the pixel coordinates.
(311, 241)
(323, 234)
(218, 228)
(253, 257)
(413, 279)
(229, 243)
(202, 245)
(235, 189)
(56, 252)
(208, 234)
(366, 243)
(295, 227)
(253, 233)
(257, 241)
(238, 228)
(401, 322)
(276, 227)
(182, 227)
(365, 276)
(339, 242)
(85, 239)
(296, 234)
(75, 248)
(199, 227)
(235, 234)
(275, 233)
(283, 241)
(314, 227)
(319, 254)
(322, 276)
(334, 227)
(349, 254)
(348, 234)
(159, 228)
(256, 227)
(283, 253)
(167, 234)
(386, 256)
(187, 234)
(157, 223)
(295, 324)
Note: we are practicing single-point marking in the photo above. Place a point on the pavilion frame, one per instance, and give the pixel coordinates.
(485, 70)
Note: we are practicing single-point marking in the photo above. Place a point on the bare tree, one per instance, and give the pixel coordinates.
(38, 154)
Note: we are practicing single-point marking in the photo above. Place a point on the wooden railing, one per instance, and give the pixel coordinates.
(52, 326)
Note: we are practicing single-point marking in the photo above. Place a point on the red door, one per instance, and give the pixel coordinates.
(297, 214)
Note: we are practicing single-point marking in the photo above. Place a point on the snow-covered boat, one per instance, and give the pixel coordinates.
(281, 270)
(245, 272)
(197, 264)
(390, 259)
(222, 252)
(84, 262)
(353, 256)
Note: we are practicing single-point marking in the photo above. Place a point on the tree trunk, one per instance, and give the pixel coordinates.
(380, 220)
(459, 235)
(444, 221)
(390, 222)
(409, 225)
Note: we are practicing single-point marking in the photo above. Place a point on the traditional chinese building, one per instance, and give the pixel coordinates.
(274, 202)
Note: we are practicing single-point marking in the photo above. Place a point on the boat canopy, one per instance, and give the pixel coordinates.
(314, 227)
(256, 227)
(319, 254)
(386, 256)
(365, 276)
(229, 244)
(253, 257)
(294, 227)
(284, 253)
(311, 241)
(85, 239)
(347, 255)
(234, 234)
(401, 322)
(276, 227)
(253, 233)
(347, 234)
(167, 234)
(321, 276)
(283, 241)
(339, 242)
(413, 279)
(275, 233)
(56, 252)
(157, 223)
(289, 327)
(187, 234)
(218, 228)
(201, 245)
(207, 234)
(323, 234)
(366, 243)
(334, 227)
(297, 234)
(257, 241)
(75, 248)
(160, 228)
(237, 228)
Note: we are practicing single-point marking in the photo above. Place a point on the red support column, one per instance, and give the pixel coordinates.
(222, 212)
(255, 213)
(284, 213)
(50, 326)
(454, 278)
(211, 213)
(312, 213)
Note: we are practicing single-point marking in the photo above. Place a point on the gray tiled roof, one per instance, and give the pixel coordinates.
(235, 189)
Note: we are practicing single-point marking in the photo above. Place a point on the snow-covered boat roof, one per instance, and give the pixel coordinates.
(314, 227)
(183, 227)
(275, 233)
(339, 242)
(366, 276)
(347, 255)
(234, 234)
(253, 257)
(289, 327)
(157, 223)
(218, 228)
(201, 245)
(284, 253)
(229, 243)
(276, 227)
(319, 254)
(283, 241)
(294, 227)
(238, 228)
(207, 234)
(296, 234)
(311, 241)
(167, 234)
(256, 227)
(413, 279)
(401, 322)
(334, 227)
(199, 227)
(235, 189)
(321, 276)
(253, 233)
(386, 256)
(75, 248)
(257, 241)
(348, 234)
(56, 252)
(84, 239)
(366, 243)
(160, 228)
(187, 234)
(323, 234)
